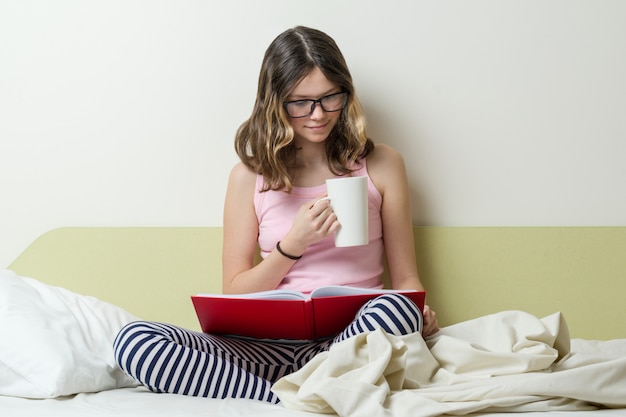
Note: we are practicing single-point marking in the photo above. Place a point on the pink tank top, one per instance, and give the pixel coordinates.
(322, 263)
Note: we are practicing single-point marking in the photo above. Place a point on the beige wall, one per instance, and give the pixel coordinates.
(468, 272)
(117, 113)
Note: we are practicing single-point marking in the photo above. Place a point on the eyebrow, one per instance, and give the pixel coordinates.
(307, 97)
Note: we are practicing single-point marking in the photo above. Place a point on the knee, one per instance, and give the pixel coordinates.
(397, 311)
(134, 337)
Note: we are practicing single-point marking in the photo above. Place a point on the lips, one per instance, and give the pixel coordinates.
(317, 128)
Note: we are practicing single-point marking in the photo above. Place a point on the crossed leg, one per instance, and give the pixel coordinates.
(167, 358)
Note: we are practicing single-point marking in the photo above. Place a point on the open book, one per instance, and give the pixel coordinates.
(287, 314)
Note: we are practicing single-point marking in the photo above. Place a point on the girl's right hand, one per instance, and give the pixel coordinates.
(315, 221)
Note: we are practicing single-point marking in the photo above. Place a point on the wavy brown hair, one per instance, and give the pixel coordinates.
(265, 142)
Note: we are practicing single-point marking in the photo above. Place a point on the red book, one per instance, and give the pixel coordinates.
(287, 314)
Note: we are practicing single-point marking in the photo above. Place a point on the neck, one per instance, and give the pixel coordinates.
(311, 167)
(311, 155)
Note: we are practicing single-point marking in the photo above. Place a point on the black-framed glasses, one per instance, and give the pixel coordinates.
(303, 108)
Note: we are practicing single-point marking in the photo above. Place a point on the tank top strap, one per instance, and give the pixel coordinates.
(259, 197)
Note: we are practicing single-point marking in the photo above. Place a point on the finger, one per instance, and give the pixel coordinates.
(320, 208)
(320, 200)
(430, 329)
(331, 224)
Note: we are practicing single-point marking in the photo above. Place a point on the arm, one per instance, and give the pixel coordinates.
(387, 170)
(241, 229)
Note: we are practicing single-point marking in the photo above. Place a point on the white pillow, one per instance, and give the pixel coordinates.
(54, 342)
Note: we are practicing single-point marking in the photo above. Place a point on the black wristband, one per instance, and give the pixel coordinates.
(286, 255)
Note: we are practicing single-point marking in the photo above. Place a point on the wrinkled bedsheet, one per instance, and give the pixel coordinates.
(506, 362)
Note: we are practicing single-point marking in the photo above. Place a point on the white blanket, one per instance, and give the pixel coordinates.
(510, 361)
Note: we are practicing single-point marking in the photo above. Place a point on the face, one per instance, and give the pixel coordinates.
(317, 126)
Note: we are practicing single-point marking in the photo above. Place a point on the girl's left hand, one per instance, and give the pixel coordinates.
(431, 326)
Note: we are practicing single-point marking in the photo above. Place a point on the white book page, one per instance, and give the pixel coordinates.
(337, 290)
(264, 295)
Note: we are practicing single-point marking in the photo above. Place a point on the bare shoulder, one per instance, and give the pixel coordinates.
(239, 214)
(241, 178)
(240, 192)
(385, 163)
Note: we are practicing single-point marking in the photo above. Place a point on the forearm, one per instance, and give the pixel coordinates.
(266, 275)
(409, 282)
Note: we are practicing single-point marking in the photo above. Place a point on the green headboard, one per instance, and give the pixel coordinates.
(468, 272)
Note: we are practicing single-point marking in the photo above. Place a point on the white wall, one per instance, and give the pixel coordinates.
(122, 113)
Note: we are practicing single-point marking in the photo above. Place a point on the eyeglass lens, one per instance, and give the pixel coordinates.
(330, 103)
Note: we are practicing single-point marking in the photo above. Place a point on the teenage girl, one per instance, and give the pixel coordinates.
(306, 126)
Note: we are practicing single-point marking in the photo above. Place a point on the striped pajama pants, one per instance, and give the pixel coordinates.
(167, 358)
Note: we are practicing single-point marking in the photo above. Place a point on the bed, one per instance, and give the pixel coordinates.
(64, 298)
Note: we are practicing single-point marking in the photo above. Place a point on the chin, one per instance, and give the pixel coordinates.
(312, 138)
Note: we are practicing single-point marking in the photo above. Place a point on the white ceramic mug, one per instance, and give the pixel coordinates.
(348, 199)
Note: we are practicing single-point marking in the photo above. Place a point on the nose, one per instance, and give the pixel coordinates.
(318, 111)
